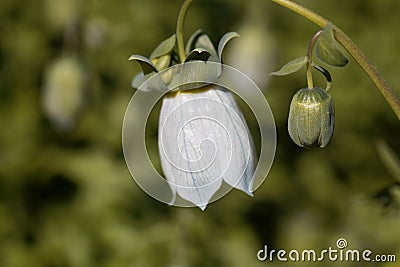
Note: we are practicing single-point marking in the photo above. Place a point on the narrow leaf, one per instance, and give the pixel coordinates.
(328, 50)
(291, 67)
(164, 48)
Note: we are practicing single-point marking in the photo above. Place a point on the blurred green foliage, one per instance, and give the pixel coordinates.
(66, 196)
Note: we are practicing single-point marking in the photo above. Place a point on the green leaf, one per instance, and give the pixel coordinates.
(291, 67)
(328, 50)
(164, 48)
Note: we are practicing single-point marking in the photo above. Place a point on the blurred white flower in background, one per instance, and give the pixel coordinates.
(63, 91)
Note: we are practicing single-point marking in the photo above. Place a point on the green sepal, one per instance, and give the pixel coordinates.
(145, 64)
(224, 40)
(162, 62)
(201, 40)
(149, 82)
(138, 80)
(198, 54)
(291, 67)
(194, 74)
(148, 70)
(328, 50)
(190, 45)
(164, 48)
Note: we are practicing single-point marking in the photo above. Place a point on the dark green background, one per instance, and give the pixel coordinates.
(67, 198)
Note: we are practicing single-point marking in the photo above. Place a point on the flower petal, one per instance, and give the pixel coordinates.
(203, 140)
(240, 175)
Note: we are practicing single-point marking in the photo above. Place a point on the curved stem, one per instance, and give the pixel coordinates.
(354, 51)
(310, 82)
(312, 44)
(310, 50)
(179, 29)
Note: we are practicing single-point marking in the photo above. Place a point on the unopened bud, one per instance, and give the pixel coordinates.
(311, 118)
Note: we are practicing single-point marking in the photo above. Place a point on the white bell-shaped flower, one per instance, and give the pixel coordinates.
(203, 138)
(203, 141)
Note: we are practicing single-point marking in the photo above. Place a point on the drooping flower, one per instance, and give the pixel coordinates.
(311, 118)
(203, 137)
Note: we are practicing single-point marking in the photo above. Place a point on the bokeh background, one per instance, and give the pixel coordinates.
(66, 195)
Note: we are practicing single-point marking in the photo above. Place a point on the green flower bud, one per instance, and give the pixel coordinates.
(311, 118)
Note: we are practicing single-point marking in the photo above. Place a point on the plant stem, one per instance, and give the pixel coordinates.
(310, 50)
(179, 29)
(310, 82)
(312, 44)
(354, 51)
